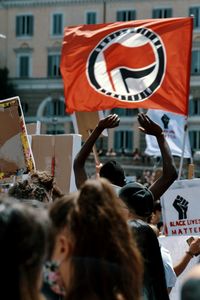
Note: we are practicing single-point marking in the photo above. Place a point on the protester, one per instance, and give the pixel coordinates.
(156, 215)
(29, 192)
(110, 121)
(47, 181)
(39, 186)
(172, 272)
(95, 255)
(193, 250)
(142, 198)
(168, 175)
(139, 201)
(136, 154)
(24, 236)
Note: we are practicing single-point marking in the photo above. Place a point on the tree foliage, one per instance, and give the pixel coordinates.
(7, 89)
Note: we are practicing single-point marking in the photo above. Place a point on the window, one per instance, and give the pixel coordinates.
(195, 66)
(194, 106)
(162, 13)
(91, 18)
(24, 66)
(194, 139)
(57, 24)
(53, 65)
(195, 11)
(124, 140)
(24, 26)
(55, 108)
(126, 15)
(125, 112)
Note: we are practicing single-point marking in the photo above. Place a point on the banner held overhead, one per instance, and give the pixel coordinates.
(136, 64)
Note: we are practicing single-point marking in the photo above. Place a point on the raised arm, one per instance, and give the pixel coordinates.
(110, 121)
(169, 173)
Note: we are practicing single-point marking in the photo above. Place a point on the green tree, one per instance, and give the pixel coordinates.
(7, 89)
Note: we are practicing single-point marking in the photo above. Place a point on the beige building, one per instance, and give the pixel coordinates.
(31, 52)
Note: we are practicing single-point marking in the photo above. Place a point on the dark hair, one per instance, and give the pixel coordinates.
(47, 181)
(154, 276)
(26, 190)
(43, 178)
(105, 258)
(24, 235)
(137, 198)
(112, 171)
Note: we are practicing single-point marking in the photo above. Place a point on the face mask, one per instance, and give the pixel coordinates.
(52, 277)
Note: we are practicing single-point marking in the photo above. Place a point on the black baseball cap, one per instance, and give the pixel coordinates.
(137, 198)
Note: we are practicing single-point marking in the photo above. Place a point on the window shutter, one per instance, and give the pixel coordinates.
(18, 23)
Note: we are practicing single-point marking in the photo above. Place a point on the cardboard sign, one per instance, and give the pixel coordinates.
(180, 208)
(15, 153)
(84, 122)
(33, 128)
(55, 154)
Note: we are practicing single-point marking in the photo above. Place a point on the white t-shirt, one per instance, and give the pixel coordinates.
(170, 275)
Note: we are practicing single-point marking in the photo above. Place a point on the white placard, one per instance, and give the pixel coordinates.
(173, 127)
(181, 208)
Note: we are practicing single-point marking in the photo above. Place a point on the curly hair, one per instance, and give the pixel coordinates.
(27, 190)
(43, 179)
(47, 181)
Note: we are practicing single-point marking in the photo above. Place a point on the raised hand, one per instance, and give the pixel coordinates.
(148, 126)
(181, 205)
(195, 246)
(110, 121)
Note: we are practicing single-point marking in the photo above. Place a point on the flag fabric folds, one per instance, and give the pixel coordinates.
(136, 64)
(174, 129)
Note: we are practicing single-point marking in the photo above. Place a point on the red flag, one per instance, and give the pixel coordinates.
(137, 64)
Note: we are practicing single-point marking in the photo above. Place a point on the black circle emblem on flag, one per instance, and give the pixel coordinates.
(128, 64)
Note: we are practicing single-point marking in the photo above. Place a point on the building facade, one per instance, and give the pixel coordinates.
(32, 49)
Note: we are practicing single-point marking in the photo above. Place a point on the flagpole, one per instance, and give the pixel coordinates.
(183, 149)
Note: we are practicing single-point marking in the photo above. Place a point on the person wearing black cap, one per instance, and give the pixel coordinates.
(140, 202)
(139, 199)
(112, 170)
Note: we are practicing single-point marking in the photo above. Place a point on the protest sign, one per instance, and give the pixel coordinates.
(173, 126)
(33, 128)
(180, 208)
(15, 153)
(55, 154)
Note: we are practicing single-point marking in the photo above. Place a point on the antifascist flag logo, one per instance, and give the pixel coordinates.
(135, 64)
(110, 70)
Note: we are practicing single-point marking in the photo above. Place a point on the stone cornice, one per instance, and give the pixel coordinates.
(24, 3)
(35, 3)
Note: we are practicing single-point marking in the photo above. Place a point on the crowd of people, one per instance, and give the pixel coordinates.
(100, 242)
